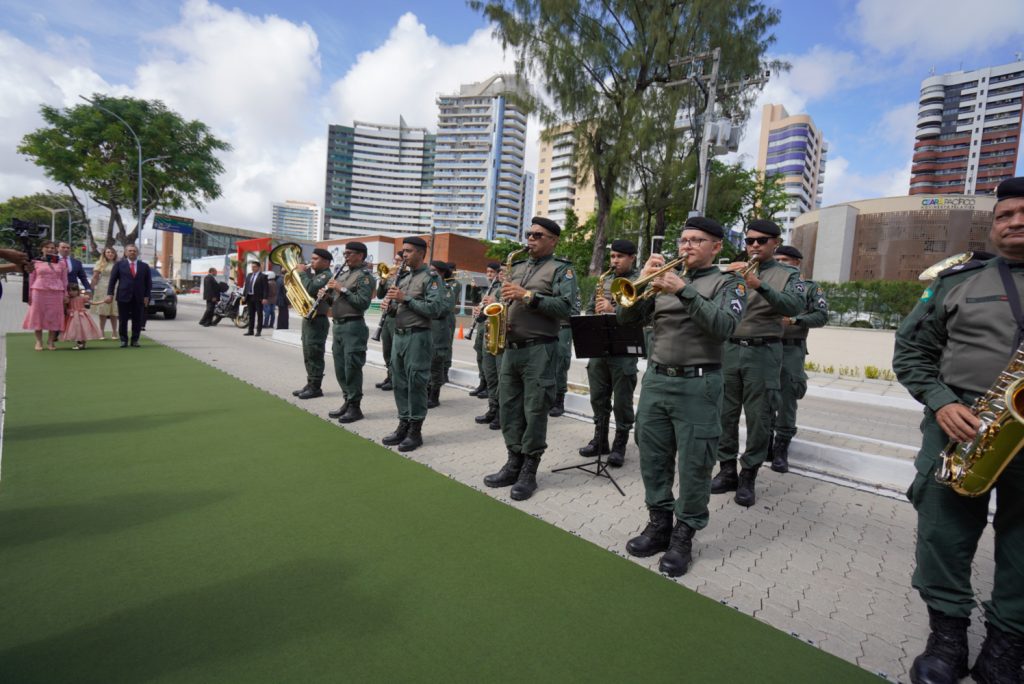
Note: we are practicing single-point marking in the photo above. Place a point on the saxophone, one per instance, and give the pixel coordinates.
(599, 290)
(497, 315)
(972, 468)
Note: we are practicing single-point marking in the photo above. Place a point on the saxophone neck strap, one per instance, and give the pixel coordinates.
(1013, 297)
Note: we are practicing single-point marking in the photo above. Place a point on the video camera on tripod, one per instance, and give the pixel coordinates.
(28, 233)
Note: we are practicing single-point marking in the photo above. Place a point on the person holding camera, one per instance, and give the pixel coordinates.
(48, 283)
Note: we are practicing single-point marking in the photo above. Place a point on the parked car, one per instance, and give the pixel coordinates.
(162, 297)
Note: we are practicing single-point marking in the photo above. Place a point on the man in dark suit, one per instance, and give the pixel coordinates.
(134, 282)
(211, 295)
(255, 293)
(76, 274)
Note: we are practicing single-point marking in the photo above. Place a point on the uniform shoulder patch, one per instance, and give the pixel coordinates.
(801, 286)
(741, 290)
(737, 306)
(563, 260)
(964, 268)
(822, 304)
(568, 274)
(927, 294)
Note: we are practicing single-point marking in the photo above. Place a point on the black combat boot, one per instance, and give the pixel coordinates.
(338, 413)
(655, 537)
(1001, 657)
(725, 480)
(483, 394)
(945, 656)
(526, 485)
(477, 390)
(618, 453)
(380, 384)
(414, 439)
(487, 417)
(599, 444)
(352, 413)
(433, 397)
(676, 560)
(387, 385)
(559, 407)
(313, 391)
(508, 474)
(780, 455)
(398, 435)
(496, 423)
(297, 392)
(745, 494)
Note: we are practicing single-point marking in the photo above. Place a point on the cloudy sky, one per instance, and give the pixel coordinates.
(269, 76)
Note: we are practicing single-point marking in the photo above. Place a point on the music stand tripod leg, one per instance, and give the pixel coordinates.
(601, 470)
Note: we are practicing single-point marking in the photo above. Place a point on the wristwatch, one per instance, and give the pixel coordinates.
(527, 296)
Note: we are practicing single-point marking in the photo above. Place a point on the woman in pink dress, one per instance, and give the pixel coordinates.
(79, 325)
(47, 290)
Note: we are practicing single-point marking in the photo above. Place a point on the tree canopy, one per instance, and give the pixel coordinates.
(91, 153)
(30, 208)
(605, 64)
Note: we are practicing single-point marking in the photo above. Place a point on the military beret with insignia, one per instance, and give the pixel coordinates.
(546, 224)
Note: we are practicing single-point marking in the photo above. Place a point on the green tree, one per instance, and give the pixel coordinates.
(603, 62)
(90, 152)
(764, 197)
(500, 249)
(30, 208)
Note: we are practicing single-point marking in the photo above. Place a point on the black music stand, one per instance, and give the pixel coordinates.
(601, 336)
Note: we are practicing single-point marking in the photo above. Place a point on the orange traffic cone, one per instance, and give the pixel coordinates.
(462, 333)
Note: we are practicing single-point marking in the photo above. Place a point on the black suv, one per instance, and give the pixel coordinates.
(162, 297)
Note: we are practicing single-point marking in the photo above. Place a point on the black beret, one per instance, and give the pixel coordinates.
(356, 247)
(765, 226)
(623, 247)
(546, 223)
(495, 265)
(323, 254)
(451, 265)
(440, 265)
(1012, 187)
(415, 242)
(709, 226)
(790, 251)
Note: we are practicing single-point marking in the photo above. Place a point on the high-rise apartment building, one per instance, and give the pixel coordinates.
(968, 130)
(526, 210)
(557, 189)
(478, 168)
(293, 220)
(379, 180)
(793, 147)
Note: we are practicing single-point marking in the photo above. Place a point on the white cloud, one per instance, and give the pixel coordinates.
(844, 185)
(936, 29)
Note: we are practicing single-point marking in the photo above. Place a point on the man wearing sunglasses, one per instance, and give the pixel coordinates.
(794, 352)
(540, 293)
(753, 361)
(681, 393)
(612, 377)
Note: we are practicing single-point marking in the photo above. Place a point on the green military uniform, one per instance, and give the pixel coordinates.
(314, 332)
(793, 382)
(350, 331)
(387, 332)
(753, 362)
(951, 348)
(411, 349)
(564, 360)
(441, 338)
(612, 381)
(489, 364)
(456, 290)
(678, 419)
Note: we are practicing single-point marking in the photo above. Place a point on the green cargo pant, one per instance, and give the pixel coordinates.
(452, 327)
(793, 387)
(612, 382)
(564, 360)
(314, 344)
(440, 349)
(478, 347)
(492, 370)
(752, 376)
(387, 337)
(410, 371)
(948, 528)
(678, 427)
(349, 350)
(527, 387)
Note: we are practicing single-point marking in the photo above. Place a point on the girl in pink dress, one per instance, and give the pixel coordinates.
(48, 286)
(79, 325)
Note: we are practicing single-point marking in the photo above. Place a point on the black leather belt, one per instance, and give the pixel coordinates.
(755, 341)
(529, 342)
(410, 331)
(792, 342)
(346, 319)
(686, 371)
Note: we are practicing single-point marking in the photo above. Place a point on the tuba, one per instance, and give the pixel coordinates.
(497, 316)
(971, 468)
(288, 256)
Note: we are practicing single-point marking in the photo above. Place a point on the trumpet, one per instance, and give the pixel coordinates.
(384, 271)
(753, 266)
(628, 292)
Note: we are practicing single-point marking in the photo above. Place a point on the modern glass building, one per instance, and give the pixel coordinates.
(968, 130)
(557, 189)
(379, 180)
(793, 147)
(293, 220)
(478, 176)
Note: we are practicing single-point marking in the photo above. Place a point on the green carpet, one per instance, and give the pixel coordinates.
(163, 522)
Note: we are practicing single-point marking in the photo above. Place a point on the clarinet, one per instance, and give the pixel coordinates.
(321, 295)
(387, 312)
(481, 318)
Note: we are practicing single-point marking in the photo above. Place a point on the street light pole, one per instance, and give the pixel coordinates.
(53, 218)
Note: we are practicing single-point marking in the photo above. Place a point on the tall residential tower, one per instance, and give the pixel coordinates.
(557, 189)
(968, 130)
(294, 220)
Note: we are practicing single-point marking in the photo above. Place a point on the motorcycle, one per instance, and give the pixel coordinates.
(232, 306)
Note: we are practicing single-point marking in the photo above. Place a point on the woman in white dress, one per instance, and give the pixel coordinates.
(100, 279)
